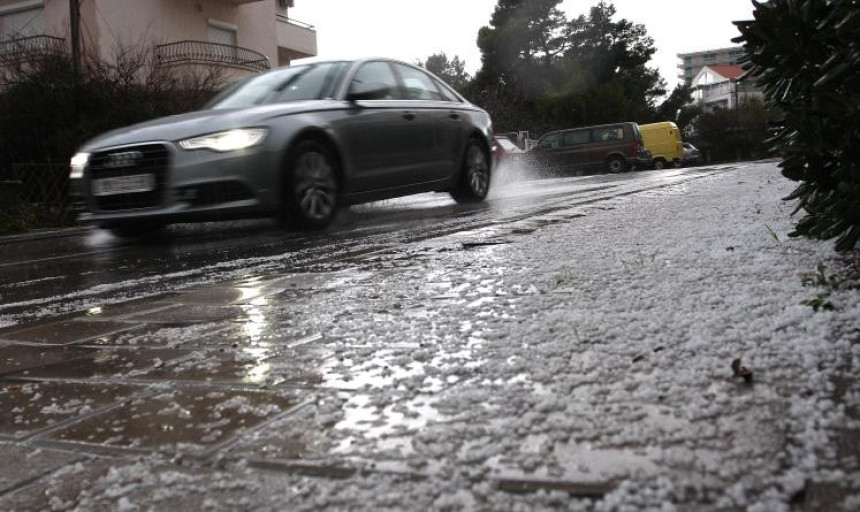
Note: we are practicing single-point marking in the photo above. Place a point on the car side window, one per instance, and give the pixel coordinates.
(418, 84)
(608, 134)
(447, 95)
(378, 72)
(576, 137)
(550, 141)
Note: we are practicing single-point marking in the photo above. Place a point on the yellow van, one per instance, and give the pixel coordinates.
(664, 142)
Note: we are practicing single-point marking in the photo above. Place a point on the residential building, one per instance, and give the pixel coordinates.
(723, 86)
(240, 36)
(691, 63)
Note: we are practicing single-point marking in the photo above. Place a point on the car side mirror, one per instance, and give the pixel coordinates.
(372, 91)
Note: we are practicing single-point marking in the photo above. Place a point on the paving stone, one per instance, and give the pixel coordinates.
(248, 365)
(17, 358)
(66, 332)
(189, 314)
(132, 307)
(157, 335)
(33, 406)
(104, 364)
(21, 464)
(110, 482)
(191, 420)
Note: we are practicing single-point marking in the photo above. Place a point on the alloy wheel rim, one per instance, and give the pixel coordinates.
(478, 171)
(316, 186)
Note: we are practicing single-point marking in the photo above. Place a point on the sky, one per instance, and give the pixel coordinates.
(411, 30)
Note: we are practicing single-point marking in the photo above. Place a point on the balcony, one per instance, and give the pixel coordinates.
(203, 52)
(27, 48)
(296, 40)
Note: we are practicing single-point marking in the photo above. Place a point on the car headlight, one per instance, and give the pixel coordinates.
(79, 161)
(230, 140)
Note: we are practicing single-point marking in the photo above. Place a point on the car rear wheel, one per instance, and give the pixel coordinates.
(659, 164)
(616, 164)
(473, 183)
(312, 191)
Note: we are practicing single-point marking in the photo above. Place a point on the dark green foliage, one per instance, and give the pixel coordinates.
(806, 55)
(671, 108)
(541, 71)
(731, 134)
(452, 71)
(47, 110)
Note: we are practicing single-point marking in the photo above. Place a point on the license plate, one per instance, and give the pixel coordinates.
(124, 185)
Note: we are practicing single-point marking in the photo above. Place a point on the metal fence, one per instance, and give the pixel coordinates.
(41, 189)
(202, 51)
(24, 48)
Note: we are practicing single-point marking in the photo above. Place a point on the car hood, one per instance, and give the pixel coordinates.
(192, 124)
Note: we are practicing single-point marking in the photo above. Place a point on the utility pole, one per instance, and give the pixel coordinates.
(75, 33)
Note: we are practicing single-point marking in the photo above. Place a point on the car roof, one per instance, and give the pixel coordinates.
(588, 127)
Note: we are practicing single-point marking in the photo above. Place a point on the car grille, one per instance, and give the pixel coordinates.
(153, 159)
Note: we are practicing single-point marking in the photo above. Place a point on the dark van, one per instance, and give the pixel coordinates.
(611, 147)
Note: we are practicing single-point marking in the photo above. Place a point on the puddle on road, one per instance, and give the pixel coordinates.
(188, 420)
(160, 336)
(103, 364)
(218, 295)
(247, 365)
(66, 332)
(189, 314)
(14, 358)
(30, 407)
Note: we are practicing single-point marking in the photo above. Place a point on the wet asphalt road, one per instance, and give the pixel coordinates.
(72, 270)
(254, 357)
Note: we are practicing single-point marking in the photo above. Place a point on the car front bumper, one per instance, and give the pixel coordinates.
(191, 185)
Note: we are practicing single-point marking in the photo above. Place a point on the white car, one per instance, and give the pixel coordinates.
(692, 155)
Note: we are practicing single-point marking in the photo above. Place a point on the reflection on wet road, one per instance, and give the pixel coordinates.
(373, 345)
(79, 269)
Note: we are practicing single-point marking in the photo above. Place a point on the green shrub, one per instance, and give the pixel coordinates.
(806, 55)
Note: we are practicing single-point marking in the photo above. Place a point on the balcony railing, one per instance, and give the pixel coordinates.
(215, 53)
(25, 48)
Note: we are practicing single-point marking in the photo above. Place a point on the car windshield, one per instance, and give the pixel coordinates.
(296, 83)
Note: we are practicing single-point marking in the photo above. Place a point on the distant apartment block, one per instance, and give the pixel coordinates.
(241, 36)
(691, 63)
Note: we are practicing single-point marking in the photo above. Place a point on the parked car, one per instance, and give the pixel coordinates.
(506, 151)
(663, 140)
(295, 142)
(692, 155)
(612, 147)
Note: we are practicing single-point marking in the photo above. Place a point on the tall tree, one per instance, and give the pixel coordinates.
(670, 110)
(452, 71)
(557, 73)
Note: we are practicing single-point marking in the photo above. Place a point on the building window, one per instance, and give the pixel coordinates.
(709, 57)
(21, 21)
(222, 33)
(688, 71)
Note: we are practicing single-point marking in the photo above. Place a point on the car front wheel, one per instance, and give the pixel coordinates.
(473, 183)
(659, 164)
(311, 195)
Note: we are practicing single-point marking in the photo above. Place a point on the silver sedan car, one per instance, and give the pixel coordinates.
(296, 143)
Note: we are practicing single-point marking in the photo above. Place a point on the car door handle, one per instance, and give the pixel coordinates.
(409, 116)
(454, 116)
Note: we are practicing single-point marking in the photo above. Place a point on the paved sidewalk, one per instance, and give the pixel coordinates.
(574, 361)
